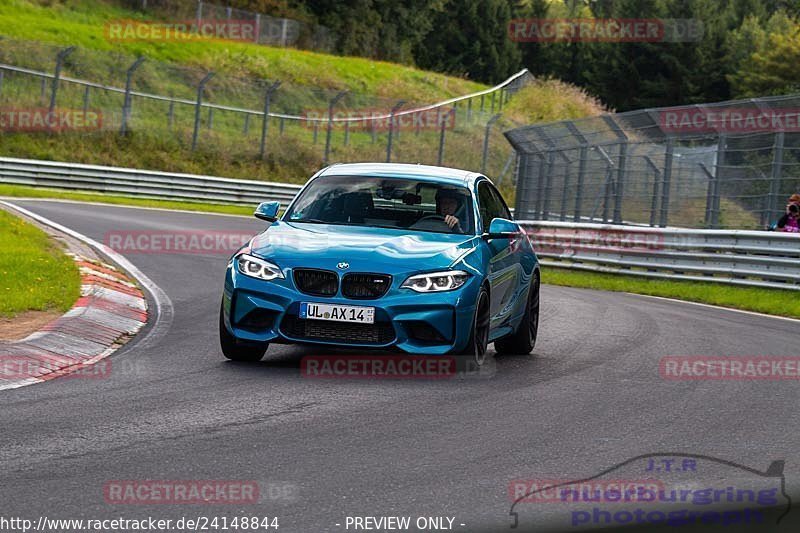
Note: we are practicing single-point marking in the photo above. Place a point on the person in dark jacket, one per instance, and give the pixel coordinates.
(789, 221)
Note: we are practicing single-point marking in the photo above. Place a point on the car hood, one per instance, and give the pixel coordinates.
(365, 249)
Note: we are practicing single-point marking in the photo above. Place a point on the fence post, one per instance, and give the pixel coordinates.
(126, 107)
(62, 55)
(396, 107)
(284, 23)
(721, 147)
(246, 128)
(331, 105)
(171, 114)
(316, 131)
(1, 80)
(258, 28)
(548, 184)
(265, 122)
(486, 133)
(493, 94)
(200, 87)
(210, 121)
(777, 171)
(623, 151)
(582, 158)
(347, 133)
(709, 194)
(44, 90)
(540, 187)
(654, 198)
(86, 99)
(281, 124)
(665, 182)
(199, 14)
(469, 111)
(443, 129)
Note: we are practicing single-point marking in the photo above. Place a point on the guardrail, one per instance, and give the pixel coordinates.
(141, 183)
(736, 257)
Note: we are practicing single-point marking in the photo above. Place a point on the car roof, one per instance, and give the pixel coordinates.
(451, 176)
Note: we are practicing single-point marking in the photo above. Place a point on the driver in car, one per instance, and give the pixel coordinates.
(447, 205)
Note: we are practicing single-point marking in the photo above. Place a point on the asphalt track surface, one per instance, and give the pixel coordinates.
(590, 396)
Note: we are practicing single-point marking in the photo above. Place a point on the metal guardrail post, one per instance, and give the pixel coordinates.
(665, 182)
(200, 88)
(396, 107)
(548, 184)
(246, 127)
(347, 133)
(60, 57)
(485, 154)
(171, 114)
(469, 111)
(540, 183)
(126, 106)
(2, 72)
(331, 105)
(265, 122)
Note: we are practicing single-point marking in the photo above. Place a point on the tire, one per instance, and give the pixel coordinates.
(522, 341)
(234, 349)
(478, 343)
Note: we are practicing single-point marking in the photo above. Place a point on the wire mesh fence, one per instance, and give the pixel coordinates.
(239, 24)
(239, 116)
(723, 165)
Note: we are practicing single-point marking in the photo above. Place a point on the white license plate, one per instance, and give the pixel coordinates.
(338, 313)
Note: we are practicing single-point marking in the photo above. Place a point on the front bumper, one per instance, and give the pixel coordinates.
(416, 323)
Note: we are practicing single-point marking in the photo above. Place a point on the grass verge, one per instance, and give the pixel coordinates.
(35, 274)
(769, 301)
(18, 191)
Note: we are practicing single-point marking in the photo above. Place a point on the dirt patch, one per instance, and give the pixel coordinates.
(22, 325)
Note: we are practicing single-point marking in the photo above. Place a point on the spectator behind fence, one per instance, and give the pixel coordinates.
(789, 221)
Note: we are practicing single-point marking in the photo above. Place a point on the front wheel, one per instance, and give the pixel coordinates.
(479, 336)
(522, 341)
(235, 350)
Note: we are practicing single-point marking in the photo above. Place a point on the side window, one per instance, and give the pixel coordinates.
(485, 204)
(491, 205)
(501, 208)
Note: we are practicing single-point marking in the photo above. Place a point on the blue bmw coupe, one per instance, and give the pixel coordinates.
(422, 259)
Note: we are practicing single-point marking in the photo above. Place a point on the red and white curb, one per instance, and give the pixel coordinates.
(109, 312)
(112, 308)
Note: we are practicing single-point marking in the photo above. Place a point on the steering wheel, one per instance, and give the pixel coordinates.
(430, 217)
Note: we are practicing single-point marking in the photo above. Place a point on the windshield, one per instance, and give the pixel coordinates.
(406, 204)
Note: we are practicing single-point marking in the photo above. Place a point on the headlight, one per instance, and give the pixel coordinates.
(436, 281)
(258, 268)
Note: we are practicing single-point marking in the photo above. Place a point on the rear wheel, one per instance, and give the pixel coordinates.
(523, 340)
(236, 350)
(479, 336)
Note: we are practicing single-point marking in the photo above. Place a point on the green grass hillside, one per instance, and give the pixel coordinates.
(228, 145)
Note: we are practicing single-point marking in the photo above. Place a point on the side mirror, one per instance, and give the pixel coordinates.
(267, 211)
(501, 228)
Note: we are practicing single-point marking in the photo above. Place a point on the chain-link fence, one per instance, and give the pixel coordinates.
(243, 25)
(724, 165)
(291, 124)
